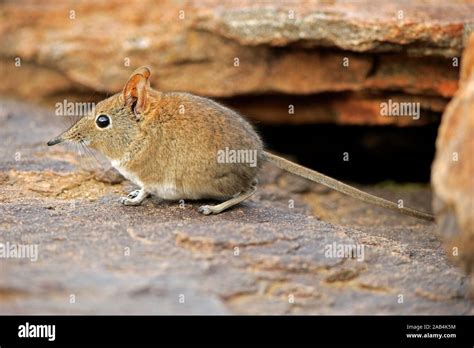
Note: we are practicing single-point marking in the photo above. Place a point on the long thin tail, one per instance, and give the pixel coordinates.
(341, 187)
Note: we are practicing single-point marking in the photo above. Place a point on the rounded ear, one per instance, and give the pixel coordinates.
(135, 93)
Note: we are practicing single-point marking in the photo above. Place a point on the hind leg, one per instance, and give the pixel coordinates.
(219, 208)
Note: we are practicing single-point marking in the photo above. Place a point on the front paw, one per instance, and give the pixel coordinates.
(128, 201)
(133, 194)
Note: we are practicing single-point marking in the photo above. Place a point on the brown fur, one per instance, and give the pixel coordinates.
(174, 141)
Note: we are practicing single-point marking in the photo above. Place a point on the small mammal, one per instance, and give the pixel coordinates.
(181, 146)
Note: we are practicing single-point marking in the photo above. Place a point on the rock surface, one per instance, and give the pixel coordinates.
(453, 169)
(238, 48)
(265, 256)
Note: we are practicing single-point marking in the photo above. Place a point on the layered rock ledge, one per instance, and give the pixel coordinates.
(362, 51)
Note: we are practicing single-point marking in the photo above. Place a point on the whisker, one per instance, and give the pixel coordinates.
(83, 159)
(91, 154)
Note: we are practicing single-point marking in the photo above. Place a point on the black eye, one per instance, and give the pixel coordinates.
(102, 121)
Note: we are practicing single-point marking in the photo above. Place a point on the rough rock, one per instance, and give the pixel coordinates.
(425, 27)
(265, 256)
(453, 169)
(235, 48)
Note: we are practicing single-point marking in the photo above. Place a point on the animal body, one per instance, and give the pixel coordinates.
(182, 146)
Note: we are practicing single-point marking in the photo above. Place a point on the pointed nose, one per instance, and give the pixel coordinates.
(55, 141)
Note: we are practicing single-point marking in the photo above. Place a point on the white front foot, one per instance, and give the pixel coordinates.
(135, 197)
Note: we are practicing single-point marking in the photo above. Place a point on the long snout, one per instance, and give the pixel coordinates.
(55, 141)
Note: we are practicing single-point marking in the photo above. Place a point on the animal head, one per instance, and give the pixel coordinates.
(115, 121)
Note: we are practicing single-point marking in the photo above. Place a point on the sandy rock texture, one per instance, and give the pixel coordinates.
(354, 52)
(267, 256)
(453, 169)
